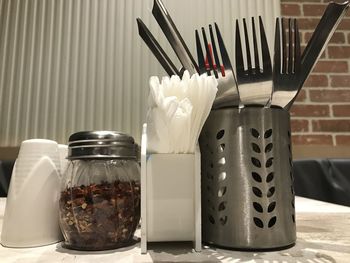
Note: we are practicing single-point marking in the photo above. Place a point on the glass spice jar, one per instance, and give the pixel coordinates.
(100, 194)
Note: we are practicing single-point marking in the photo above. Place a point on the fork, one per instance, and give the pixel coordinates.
(287, 67)
(227, 94)
(254, 82)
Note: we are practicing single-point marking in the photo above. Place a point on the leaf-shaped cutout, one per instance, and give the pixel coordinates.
(289, 134)
(257, 192)
(222, 176)
(291, 176)
(271, 191)
(220, 134)
(269, 177)
(268, 147)
(256, 177)
(290, 150)
(211, 165)
(258, 222)
(268, 133)
(222, 206)
(211, 219)
(222, 161)
(258, 207)
(292, 189)
(223, 220)
(290, 162)
(256, 148)
(222, 191)
(221, 148)
(293, 218)
(272, 221)
(293, 204)
(269, 162)
(256, 162)
(255, 133)
(271, 207)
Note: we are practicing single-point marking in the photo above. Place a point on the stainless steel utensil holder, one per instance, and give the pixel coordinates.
(247, 179)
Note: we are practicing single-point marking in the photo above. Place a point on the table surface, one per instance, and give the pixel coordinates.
(323, 235)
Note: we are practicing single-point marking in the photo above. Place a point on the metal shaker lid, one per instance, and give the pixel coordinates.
(101, 145)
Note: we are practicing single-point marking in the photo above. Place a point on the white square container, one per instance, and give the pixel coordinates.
(170, 197)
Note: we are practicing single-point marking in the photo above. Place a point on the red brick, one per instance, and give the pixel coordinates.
(337, 38)
(331, 66)
(342, 140)
(323, 55)
(301, 96)
(330, 95)
(340, 81)
(316, 81)
(331, 125)
(309, 110)
(306, 37)
(308, 23)
(344, 24)
(290, 10)
(312, 139)
(339, 51)
(299, 125)
(314, 10)
(341, 110)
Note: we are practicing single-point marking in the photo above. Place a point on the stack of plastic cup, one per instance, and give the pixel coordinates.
(31, 213)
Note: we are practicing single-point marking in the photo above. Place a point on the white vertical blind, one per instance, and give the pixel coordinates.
(67, 66)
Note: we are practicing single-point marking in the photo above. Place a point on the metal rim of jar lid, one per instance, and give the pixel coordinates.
(101, 145)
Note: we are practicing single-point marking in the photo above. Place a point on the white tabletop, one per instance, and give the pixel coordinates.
(323, 232)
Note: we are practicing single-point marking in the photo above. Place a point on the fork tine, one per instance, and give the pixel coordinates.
(277, 49)
(239, 54)
(266, 59)
(256, 52)
(200, 55)
(208, 53)
(284, 48)
(246, 37)
(215, 52)
(224, 55)
(290, 47)
(297, 52)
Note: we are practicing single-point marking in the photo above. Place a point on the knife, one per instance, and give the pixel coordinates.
(319, 40)
(172, 34)
(156, 49)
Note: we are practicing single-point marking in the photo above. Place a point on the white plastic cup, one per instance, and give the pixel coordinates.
(63, 152)
(31, 213)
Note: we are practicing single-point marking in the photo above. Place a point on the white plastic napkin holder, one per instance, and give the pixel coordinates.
(170, 197)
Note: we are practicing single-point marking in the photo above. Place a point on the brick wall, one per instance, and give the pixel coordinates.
(321, 114)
